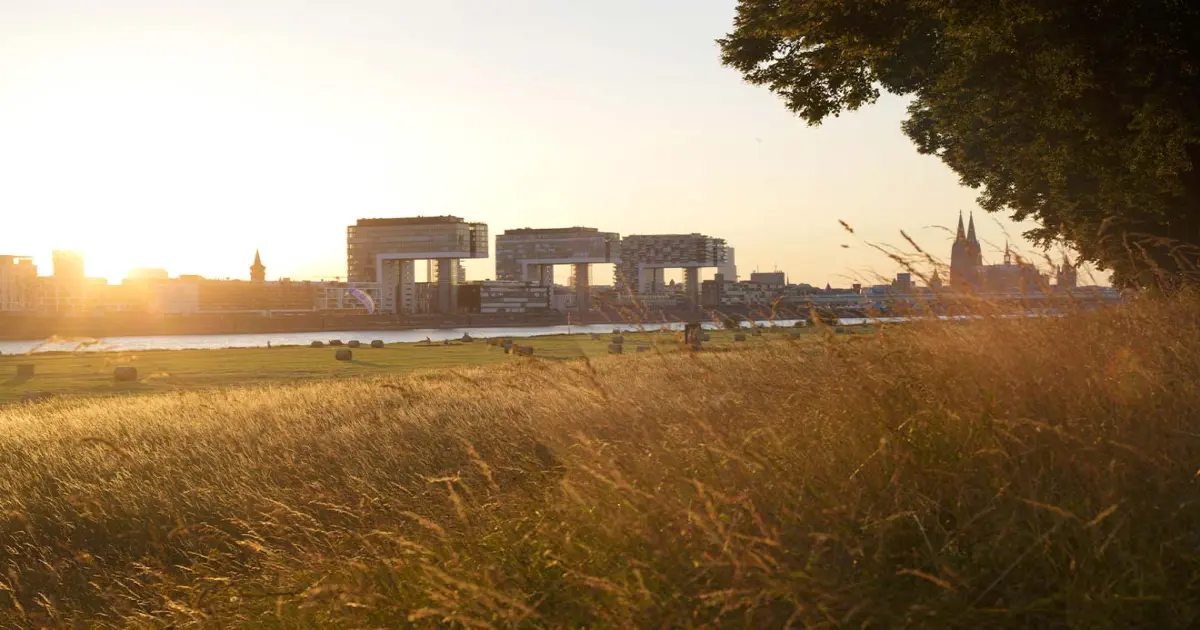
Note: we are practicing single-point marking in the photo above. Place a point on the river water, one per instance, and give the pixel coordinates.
(191, 342)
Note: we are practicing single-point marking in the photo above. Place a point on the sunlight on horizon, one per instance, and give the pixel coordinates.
(189, 137)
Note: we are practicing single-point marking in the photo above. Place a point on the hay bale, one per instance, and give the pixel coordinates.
(378, 343)
(739, 337)
(643, 348)
(125, 374)
(525, 351)
(335, 342)
(25, 370)
(353, 344)
(507, 345)
(317, 344)
(343, 354)
(615, 348)
(618, 339)
(596, 337)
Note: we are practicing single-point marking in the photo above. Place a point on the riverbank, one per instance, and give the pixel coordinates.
(91, 373)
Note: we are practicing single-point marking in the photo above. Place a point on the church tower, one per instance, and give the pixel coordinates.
(973, 244)
(258, 271)
(1068, 275)
(966, 257)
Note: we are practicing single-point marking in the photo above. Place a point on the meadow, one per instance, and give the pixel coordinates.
(1002, 473)
(91, 373)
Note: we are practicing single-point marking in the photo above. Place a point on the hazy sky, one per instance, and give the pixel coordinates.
(159, 133)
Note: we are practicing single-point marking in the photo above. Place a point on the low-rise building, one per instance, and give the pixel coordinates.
(775, 279)
(496, 296)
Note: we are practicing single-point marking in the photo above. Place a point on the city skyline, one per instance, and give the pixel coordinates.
(181, 138)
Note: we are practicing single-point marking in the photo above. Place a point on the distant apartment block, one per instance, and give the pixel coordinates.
(769, 278)
(385, 251)
(18, 275)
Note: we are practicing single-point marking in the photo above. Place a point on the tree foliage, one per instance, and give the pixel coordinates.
(1083, 115)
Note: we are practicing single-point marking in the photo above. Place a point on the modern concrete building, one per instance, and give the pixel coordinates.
(386, 251)
(728, 269)
(18, 275)
(529, 255)
(644, 257)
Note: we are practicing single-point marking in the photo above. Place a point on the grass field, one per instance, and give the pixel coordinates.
(1005, 473)
(91, 373)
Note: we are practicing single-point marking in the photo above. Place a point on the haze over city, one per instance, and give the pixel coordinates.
(187, 137)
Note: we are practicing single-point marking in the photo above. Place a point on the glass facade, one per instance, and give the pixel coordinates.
(666, 251)
(559, 246)
(417, 238)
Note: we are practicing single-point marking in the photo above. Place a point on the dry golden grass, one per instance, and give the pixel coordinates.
(1002, 473)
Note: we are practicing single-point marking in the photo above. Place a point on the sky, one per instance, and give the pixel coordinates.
(186, 135)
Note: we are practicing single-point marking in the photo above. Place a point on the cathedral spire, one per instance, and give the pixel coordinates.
(971, 230)
(961, 236)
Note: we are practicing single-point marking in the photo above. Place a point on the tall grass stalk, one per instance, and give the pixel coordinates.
(999, 473)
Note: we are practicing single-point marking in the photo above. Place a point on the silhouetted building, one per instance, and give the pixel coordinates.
(769, 278)
(146, 273)
(239, 295)
(258, 271)
(1010, 277)
(18, 275)
(711, 291)
(68, 266)
(1068, 275)
(966, 257)
(494, 296)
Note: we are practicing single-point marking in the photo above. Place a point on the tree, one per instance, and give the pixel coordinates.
(1083, 115)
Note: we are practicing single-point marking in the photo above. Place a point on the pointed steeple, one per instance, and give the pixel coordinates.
(935, 282)
(1007, 253)
(961, 236)
(258, 271)
(971, 230)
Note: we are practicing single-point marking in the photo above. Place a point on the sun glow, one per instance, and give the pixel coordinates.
(183, 163)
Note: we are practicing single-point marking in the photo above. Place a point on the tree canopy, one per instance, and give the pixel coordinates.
(1083, 115)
